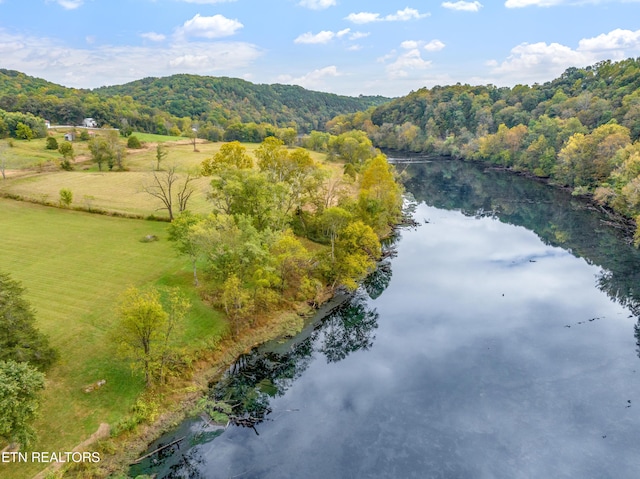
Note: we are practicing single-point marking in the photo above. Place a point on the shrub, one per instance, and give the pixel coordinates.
(66, 165)
(66, 197)
(133, 142)
(52, 143)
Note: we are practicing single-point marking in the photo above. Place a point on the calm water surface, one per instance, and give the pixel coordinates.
(499, 342)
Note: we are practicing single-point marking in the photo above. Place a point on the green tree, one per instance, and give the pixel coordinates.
(177, 307)
(380, 196)
(288, 135)
(19, 339)
(249, 193)
(52, 143)
(292, 262)
(357, 251)
(66, 197)
(352, 147)
(133, 142)
(101, 152)
(24, 132)
(231, 154)
(161, 154)
(236, 301)
(66, 150)
(186, 233)
(141, 329)
(116, 149)
(333, 221)
(20, 385)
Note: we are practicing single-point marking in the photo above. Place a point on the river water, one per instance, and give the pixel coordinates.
(499, 341)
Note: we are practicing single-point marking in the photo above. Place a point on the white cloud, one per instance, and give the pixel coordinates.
(154, 37)
(317, 4)
(409, 44)
(207, 2)
(358, 35)
(552, 3)
(463, 6)
(69, 4)
(209, 27)
(324, 36)
(538, 62)
(405, 15)
(312, 80)
(434, 46)
(107, 65)
(528, 3)
(615, 40)
(363, 17)
(400, 16)
(406, 62)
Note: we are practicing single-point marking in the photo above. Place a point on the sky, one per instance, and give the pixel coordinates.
(349, 47)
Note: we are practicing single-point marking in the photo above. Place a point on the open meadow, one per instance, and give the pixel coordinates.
(75, 265)
(35, 175)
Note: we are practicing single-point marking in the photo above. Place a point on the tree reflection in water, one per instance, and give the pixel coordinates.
(558, 218)
(263, 374)
(348, 328)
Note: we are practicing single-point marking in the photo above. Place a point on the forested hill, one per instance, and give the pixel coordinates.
(594, 95)
(160, 105)
(581, 130)
(220, 100)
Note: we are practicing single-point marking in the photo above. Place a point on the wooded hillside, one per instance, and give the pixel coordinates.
(580, 130)
(160, 105)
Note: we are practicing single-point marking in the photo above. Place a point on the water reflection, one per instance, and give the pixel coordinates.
(554, 215)
(493, 352)
(350, 327)
(268, 372)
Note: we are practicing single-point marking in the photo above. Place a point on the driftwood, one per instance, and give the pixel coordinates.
(140, 459)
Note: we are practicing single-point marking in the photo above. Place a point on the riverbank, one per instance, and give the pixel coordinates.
(178, 399)
(616, 220)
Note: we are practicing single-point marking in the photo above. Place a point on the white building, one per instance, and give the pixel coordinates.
(89, 123)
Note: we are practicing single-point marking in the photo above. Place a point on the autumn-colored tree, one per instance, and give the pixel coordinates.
(357, 251)
(145, 330)
(380, 196)
(231, 154)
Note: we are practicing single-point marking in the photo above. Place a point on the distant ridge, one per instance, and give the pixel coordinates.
(145, 104)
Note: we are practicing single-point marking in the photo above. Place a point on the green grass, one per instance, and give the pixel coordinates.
(74, 266)
(119, 192)
(150, 137)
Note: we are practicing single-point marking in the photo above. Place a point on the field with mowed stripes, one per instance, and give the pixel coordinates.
(74, 266)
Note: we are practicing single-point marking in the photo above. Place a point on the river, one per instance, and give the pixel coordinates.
(498, 341)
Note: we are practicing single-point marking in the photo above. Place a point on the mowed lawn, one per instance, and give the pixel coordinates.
(74, 266)
(120, 192)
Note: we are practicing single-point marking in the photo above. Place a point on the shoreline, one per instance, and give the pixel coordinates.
(119, 452)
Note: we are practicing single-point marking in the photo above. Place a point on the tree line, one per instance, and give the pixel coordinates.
(25, 354)
(282, 228)
(581, 130)
(174, 105)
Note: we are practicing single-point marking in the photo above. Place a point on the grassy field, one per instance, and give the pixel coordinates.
(115, 191)
(74, 266)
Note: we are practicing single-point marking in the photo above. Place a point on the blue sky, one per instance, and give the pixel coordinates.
(348, 47)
